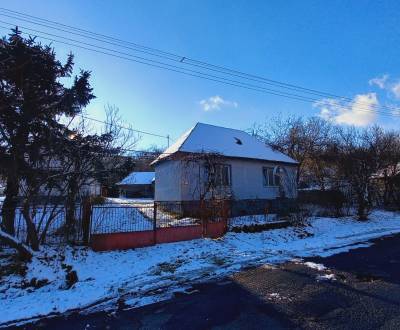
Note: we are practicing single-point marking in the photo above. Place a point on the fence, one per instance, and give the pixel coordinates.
(132, 225)
(113, 225)
(50, 224)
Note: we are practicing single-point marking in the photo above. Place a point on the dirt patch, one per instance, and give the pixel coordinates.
(365, 277)
(167, 267)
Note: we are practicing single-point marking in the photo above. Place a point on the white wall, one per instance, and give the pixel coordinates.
(176, 181)
(247, 180)
(248, 183)
(168, 181)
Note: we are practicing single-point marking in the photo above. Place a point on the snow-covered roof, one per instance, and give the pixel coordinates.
(138, 178)
(225, 141)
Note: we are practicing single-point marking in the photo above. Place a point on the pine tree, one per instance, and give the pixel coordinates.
(32, 101)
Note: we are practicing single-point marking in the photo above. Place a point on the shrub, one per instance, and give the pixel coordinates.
(332, 201)
(98, 200)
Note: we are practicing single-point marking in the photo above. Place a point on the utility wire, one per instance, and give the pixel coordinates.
(180, 59)
(154, 61)
(165, 66)
(174, 57)
(177, 69)
(123, 127)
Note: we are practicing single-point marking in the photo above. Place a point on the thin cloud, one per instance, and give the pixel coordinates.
(379, 81)
(390, 85)
(358, 112)
(216, 102)
(395, 89)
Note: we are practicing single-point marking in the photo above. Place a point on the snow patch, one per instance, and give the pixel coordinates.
(326, 277)
(105, 277)
(314, 265)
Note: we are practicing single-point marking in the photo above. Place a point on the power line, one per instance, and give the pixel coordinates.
(166, 66)
(140, 59)
(177, 69)
(179, 58)
(309, 100)
(124, 127)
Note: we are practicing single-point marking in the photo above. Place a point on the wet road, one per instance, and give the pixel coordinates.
(365, 294)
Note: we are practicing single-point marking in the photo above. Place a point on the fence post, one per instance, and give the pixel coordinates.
(155, 223)
(203, 216)
(86, 215)
(227, 205)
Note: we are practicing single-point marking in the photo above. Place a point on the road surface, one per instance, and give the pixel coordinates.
(364, 295)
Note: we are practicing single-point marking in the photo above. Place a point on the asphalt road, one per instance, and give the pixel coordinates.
(364, 295)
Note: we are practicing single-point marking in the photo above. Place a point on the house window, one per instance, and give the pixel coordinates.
(270, 178)
(220, 175)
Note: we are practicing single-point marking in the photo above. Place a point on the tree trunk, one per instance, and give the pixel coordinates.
(70, 207)
(32, 232)
(362, 206)
(10, 205)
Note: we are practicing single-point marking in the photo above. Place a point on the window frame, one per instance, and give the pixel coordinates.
(218, 168)
(266, 176)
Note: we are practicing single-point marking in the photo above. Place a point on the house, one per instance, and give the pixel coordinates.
(137, 184)
(244, 170)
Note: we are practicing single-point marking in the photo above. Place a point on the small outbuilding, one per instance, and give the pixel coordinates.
(137, 185)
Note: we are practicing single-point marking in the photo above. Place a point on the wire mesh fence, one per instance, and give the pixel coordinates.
(133, 216)
(49, 223)
(114, 218)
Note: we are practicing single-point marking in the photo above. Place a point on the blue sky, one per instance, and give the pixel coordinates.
(335, 46)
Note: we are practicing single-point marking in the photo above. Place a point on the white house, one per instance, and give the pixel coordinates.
(247, 169)
(137, 184)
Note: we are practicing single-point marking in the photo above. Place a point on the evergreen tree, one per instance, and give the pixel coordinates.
(33, 99)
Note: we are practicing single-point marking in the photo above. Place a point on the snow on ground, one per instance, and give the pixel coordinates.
(326, 277)
(314, 265)
(252, 220)
(144, 213)
(145, 206)
(109, 219)
(149, 274)
(56, 214)
(123, 200)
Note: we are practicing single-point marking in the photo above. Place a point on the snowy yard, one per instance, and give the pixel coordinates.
(40, 218)
(126, 215)
(248, 220)
(146, 275)
(123, 215)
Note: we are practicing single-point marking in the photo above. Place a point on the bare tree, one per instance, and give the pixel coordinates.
(303, 140)
(357, 158)
(207, 176)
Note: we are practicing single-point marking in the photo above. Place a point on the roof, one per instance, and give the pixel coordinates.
(225, 141)
(138, 178)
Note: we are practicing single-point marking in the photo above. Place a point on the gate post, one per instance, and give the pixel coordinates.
(203, 216)
(227, 209)
(155, 222)
(86, 215)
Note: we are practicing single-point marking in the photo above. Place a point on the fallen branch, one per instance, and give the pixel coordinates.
(25, 252)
